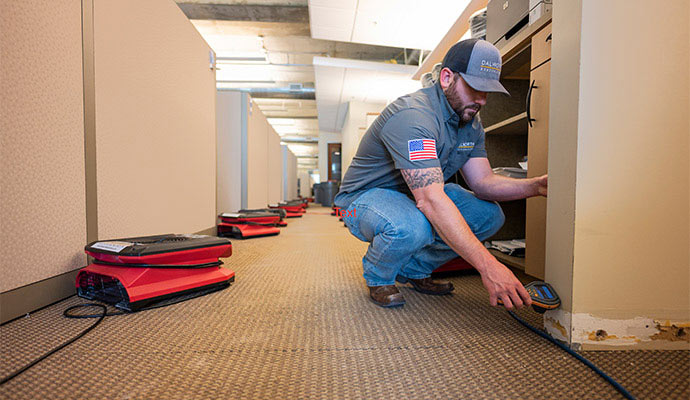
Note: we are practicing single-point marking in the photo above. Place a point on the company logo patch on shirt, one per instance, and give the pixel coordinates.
(422, 149)
(466, 146)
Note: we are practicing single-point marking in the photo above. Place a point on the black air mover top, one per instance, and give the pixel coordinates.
(249, 215)
(147, 245)
(280, 211)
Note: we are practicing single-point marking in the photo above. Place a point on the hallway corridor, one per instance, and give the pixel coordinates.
(297, 323)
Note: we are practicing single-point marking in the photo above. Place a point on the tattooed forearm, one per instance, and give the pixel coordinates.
(419, 178)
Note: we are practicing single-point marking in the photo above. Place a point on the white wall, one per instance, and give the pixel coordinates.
(305, 183)
(289, 174)
(228, 151)
(275, 167)
(292, 176)
(354, 128)
(324, 139)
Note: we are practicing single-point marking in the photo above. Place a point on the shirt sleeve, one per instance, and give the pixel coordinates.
(479, 150)
(410, 139)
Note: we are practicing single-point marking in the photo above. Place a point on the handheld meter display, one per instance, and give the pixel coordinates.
(543, 296)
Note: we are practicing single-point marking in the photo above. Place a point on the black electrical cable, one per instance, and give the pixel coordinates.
(67, 313)
(585, 361)
(62, 346)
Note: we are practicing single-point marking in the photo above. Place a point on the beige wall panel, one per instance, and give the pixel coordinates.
(562, 154)
(632, 225)
(275, 167)
(257, 153)
(155, 120)
(229, 147)
(292, 177)
(42, 195)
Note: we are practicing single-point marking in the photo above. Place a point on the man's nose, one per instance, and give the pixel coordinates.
(481, 98)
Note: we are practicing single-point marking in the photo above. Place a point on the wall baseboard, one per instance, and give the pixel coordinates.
(32, 297)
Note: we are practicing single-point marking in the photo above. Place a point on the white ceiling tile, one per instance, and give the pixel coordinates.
(330, 33)
(411, 24)
(332, 17)
(346, 4)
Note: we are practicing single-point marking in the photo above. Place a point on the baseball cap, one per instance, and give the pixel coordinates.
(479, 64)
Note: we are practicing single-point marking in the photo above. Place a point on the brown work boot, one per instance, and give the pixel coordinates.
(386, 296)
(427, 285)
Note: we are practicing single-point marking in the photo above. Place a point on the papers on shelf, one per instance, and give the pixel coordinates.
(515, 247)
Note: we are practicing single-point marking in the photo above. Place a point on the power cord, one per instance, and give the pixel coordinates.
(68, 314)
(62, 346)
(585, 361)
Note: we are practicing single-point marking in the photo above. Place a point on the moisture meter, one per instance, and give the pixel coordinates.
(543, 296)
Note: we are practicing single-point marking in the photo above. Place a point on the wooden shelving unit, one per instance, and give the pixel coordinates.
(516, 125)
(522, 39)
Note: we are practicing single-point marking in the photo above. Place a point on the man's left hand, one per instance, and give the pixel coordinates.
(541, 184)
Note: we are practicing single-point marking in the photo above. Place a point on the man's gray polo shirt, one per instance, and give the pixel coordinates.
(404, 137)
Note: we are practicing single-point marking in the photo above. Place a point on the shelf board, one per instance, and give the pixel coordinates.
(518, 66)
(516, 262)
(523, 39)
(516, 125)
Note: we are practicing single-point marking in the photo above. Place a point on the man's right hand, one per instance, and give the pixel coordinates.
(500, 282)
(426, 184)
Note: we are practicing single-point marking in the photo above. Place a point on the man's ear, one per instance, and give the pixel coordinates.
(445, 77)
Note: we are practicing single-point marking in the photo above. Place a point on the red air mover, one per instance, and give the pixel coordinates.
(456, 264)
(298, 205)
(294, 210)
(134, 273)
(246, 225)
(279, 211)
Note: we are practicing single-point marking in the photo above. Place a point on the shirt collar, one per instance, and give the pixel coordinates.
(446, 109)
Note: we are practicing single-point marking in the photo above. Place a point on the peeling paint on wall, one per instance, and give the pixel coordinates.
(557, 324)
(587, 329)
(673, 333)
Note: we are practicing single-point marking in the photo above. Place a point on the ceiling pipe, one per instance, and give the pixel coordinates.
(304, 93)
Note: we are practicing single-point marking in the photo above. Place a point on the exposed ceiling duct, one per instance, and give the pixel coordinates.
(301, 93)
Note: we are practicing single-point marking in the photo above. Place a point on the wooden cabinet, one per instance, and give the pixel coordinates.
(541, 47)
(537, 150)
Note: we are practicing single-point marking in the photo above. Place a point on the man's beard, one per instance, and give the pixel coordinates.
(458, 106)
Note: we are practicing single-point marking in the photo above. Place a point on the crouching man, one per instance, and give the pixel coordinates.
(394, 195)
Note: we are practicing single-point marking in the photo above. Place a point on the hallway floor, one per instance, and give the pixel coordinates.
(297, 323)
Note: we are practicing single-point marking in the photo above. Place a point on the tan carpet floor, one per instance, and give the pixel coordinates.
(297, 324)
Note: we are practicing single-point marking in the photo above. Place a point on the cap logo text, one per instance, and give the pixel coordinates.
(491, 65)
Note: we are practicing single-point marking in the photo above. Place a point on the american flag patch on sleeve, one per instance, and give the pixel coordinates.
(422, 149)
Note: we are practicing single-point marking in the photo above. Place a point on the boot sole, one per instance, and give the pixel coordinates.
(389, 305)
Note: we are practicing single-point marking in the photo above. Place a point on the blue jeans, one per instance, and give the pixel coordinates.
(401, 239)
